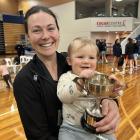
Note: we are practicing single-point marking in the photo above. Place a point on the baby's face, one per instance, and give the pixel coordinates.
(83, 58)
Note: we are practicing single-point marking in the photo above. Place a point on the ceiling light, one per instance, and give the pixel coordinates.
(118, 0)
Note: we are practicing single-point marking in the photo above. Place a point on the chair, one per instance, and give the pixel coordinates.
(25, 59)
(28, 58)
(10, 64)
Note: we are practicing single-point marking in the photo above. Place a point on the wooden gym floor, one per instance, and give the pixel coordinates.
(129, 105)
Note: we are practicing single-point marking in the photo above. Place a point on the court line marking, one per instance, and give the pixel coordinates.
(129, 120)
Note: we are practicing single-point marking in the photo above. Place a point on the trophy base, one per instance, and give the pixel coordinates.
(87, 122)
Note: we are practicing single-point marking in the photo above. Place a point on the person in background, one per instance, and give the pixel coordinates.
(98, 44)
(20, 49)
(35, 86)
(136, 50)
(117, 52)
(5, 74)
(82, 57)
(103, 51)
(129, 56)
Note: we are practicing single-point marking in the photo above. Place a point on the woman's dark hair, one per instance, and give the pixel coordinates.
(36, 9)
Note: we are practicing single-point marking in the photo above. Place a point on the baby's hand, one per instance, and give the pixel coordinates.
(119, 83)
(118, 78)
(113, 77)
(87, 73)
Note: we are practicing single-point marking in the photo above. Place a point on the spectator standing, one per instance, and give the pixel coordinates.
(20, 49)
(129, 56)
(136, 50)
(117, 52)
(103, 51)
(5, 73)
(98, 44)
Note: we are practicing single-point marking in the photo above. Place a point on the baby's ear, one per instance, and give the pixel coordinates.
(68, 60)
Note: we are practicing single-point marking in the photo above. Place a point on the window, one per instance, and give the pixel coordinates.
(103, 8)
(125, 8)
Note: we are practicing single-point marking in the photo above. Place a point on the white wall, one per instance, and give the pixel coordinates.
(69, 27)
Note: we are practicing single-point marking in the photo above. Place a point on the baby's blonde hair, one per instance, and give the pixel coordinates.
(79, 43)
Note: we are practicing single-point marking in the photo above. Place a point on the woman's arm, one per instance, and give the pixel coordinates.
(112, 117)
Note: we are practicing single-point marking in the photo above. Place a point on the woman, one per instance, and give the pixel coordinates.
(35, 85)
(117, 52)
(129, 56)
(103, 48)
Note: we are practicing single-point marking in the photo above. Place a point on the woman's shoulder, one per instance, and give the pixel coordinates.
(24, 72)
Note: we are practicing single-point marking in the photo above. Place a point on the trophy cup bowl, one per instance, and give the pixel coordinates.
(100, 86)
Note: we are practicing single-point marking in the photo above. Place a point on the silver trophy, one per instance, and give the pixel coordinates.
(98, 87)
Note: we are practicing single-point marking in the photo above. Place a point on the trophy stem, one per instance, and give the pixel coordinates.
(92, 115)
(97, 109)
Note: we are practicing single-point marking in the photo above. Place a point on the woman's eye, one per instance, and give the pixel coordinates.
(51, 28)
(36, 30)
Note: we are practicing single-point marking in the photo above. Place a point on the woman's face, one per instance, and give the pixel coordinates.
(43, 34)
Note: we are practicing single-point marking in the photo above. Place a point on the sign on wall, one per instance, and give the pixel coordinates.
(117, 23)
(112, 24)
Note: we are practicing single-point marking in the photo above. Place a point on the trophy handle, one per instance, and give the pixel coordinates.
(117, 89)
(82, 86)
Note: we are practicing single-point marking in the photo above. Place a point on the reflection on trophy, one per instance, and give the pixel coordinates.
(98, 87)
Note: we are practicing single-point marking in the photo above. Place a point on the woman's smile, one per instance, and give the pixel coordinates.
(47, 44)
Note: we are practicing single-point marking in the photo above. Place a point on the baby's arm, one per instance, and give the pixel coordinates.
(67, 90)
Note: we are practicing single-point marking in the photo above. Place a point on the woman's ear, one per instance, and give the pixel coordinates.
(68, 60)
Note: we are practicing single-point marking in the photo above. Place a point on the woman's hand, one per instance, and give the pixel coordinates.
(112, 117)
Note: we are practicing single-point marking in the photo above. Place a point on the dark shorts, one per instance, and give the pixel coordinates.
(131, 56)
(117, 55)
